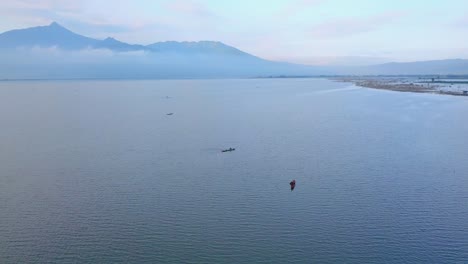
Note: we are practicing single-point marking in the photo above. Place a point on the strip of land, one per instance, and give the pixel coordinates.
(411, 84)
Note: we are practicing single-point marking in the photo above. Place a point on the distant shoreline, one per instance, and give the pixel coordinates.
(409, 85)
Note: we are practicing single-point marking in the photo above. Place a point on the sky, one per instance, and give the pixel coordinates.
(323, 32)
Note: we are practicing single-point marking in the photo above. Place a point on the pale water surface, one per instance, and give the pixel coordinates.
(96, 172)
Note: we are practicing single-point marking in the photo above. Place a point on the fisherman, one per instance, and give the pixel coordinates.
(293, 184)
(228, 150)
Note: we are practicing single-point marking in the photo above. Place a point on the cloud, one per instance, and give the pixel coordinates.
(461, 22)
(292, 8)
(353, 26)
(64, 6)
(88, 25)
(25, 13)
(73, 15)
(191, 8)
(176, 19)
(190, 20)
(56, 55)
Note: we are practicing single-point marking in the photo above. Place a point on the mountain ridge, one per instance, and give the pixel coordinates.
(171, 59)
(55, 35)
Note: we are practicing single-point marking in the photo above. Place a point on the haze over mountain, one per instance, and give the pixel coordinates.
(55, 52)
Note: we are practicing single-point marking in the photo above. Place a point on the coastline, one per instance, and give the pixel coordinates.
(412, 85)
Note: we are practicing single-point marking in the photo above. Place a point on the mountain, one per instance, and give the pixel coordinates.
(26, 53)
(55, 35)
(201, 47)
(77, 56)
(433, 67)
(115, 45)
(451, 66)
(45, 36)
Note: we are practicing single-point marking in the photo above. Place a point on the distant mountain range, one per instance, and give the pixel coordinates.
(55, 35)
(55, 52)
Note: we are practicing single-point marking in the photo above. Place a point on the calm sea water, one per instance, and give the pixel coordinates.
(96, 172)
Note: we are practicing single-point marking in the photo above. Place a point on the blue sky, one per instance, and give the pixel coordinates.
(305, 31)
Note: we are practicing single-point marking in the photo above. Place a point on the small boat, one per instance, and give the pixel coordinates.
(293, 184)
(170, 114)
(228, 150)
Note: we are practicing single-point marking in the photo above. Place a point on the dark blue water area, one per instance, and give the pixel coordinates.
(97, 172)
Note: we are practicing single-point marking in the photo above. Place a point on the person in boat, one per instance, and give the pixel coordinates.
(293, 184)
(229, 149)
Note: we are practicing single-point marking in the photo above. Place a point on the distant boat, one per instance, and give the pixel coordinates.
(170, 114)
(293, 184)
(228, 150)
